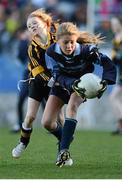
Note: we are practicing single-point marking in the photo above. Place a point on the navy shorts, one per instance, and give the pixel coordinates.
(38, 91)
(63, 94)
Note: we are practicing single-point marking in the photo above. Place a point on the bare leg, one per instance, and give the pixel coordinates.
(32, 109)
(61, 116)
(68, 130)
(26, 130)
(52, 109)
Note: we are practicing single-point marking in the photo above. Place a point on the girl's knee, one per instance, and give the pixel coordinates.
(47, 124)
(29, 121)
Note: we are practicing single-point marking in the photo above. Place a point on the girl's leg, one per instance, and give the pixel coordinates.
(49, 119)
(26, 130)
(68, 130)
(70, 121)
(32, 109)
(61, 116)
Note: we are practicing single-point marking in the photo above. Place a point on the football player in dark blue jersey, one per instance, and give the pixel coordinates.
(73, 55)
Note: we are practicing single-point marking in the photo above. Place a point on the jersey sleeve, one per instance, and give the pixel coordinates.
(52, 65)
(36, 67)
(109, 69)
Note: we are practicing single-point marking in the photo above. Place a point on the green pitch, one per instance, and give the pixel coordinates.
(96, 155)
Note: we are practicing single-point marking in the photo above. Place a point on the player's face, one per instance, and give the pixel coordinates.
(68, 43)
(36, 26)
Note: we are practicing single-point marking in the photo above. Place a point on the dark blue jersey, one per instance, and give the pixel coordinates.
(81, 62)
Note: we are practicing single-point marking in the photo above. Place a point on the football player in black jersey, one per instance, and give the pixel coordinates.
(42, 29)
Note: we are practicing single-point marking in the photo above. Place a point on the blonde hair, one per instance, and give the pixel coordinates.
(88, 38)
(41, 13)
(68, 28)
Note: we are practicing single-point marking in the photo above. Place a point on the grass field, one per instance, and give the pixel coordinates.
(96, 155)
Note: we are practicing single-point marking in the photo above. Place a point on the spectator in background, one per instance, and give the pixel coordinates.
(2, 25)
(24, 38)
(78, 17)
(104, 28)
(11, 25)
(115, 96)
(38, 3)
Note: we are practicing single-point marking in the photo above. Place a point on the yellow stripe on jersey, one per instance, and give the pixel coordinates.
(33, 61)
(34, 43)
(37, 70)
(44, 76)
(30, 53)
(29, 67)
(36, 52)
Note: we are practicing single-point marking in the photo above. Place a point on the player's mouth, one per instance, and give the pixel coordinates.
(68, 51)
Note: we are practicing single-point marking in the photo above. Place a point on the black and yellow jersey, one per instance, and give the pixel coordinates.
(36, 52)
(117, 56)
(117, 48)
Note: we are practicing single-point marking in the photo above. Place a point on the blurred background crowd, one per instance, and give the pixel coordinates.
(89, 15)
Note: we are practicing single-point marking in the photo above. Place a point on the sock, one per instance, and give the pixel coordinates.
(57, 132)
(25, 135)
(67, 133)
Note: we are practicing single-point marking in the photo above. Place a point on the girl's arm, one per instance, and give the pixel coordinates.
(52, 66)
(109, 69)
